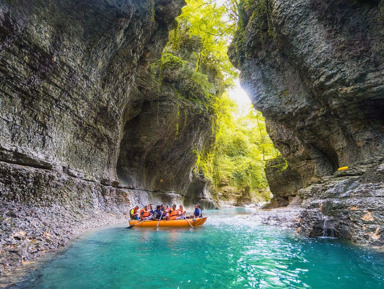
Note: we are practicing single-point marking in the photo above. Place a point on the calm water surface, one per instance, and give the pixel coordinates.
(227, 252)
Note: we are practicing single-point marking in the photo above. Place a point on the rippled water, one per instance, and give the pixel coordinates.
(227, 252)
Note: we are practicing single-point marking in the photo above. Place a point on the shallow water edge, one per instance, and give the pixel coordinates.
(262, 224)
(230, 251)
(276, 217)
(17, 274)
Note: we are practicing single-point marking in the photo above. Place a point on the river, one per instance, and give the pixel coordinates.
(227, 252)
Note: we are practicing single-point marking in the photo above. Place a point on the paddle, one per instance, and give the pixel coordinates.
(189, 223)
(130, 227)
(158, 223)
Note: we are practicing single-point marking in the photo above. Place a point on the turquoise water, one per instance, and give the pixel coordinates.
(227, 252)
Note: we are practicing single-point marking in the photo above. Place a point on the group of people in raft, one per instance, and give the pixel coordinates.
(163, 213)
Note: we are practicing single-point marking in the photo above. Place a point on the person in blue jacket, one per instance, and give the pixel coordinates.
(158, 213)
(198, 213)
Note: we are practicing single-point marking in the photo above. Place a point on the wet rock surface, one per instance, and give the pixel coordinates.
(43, 210)
(161, 137)
(74, 86)
(283, 181)
(315, 70)
(68, 69)
(348, 206)
(286, 218)
(229, 197)
(199, 193)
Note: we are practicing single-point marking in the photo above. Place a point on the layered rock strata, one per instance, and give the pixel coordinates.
(315, 70)
(89, 126)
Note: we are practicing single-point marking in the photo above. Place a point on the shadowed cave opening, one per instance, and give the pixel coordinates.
(156, 150)
(142, 150)
(163, 140)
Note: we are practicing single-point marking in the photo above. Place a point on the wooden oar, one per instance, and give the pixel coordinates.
(130, 227)
(189, 223)
(158, 223)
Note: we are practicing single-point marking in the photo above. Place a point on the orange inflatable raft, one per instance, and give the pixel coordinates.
(171, 223)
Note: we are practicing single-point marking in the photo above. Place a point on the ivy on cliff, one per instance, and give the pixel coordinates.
(257, 15)
(196, 55)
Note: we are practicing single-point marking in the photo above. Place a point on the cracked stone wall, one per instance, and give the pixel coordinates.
(315, 70)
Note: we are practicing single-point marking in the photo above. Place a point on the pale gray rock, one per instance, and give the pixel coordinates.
(71, 95)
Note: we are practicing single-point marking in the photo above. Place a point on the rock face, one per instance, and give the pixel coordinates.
(89, 124)
(162, 131)
(227, 196)
(315, 70)
(283, 181)
(199, 192)
(67, 74)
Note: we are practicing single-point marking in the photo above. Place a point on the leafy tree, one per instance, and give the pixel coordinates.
(209, 22)
(197, 50)
(241, 148)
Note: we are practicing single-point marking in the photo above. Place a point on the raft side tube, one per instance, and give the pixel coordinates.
(183, 223)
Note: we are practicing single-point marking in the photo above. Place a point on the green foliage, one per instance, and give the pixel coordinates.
(198, 67)
(209, 22)
(195, 60)
(194, 64)
(195, 86)
(241, 149)
(200, 79)
(171, 61)
(258, 15)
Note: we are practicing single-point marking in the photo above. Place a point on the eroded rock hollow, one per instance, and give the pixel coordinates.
(88, 126)
(315, 70)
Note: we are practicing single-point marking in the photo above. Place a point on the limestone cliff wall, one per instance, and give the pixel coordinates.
(68, 69)
(86, 129)
(315, 70)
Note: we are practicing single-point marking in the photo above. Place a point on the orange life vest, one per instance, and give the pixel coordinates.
(145, 213)
(173, 213)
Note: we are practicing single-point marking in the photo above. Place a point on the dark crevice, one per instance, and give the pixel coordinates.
(373, 109)
(326, 159)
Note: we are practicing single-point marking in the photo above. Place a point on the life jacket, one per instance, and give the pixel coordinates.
(145, 213)
(132, 213)
(173, 213)
(181, 212)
